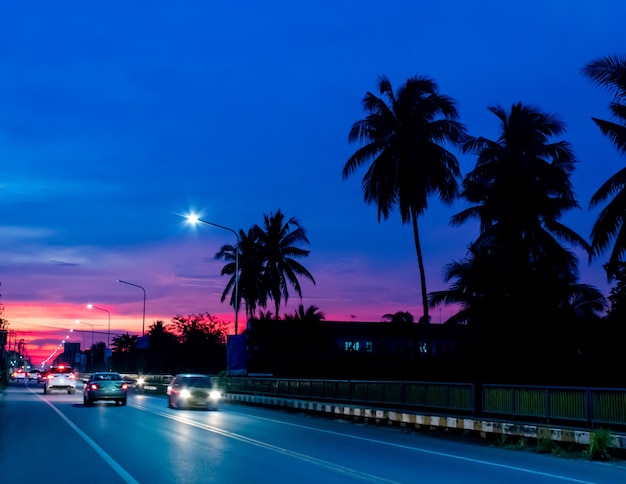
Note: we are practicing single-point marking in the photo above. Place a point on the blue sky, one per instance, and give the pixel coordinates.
(118, 117)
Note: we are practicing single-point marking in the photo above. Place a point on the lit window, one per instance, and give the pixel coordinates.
(351, 346)
(369, 346)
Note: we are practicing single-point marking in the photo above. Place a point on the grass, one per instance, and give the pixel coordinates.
(599, 445)
(513, 442)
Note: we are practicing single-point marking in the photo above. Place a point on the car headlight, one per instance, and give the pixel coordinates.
(215, 395)
(185, 393)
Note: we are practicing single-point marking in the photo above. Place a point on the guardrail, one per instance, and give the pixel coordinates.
(589, 407)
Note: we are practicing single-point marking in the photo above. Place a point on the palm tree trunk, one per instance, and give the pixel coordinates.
(425, 319)
(420, 263)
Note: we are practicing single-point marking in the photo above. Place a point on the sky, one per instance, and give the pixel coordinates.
(118, 118)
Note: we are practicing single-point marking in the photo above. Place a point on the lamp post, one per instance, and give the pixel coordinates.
(83, 336)
(143, 323)
(194, 220)
(88, 324)
(81, 333)
(91, 306)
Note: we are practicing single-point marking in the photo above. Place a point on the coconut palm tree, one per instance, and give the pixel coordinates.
(520, 188)
(312, 314)
(518, 276)
(610, 72)
(279, 240)
(124, 343)
(404, 135)
(250, 271)
(521, 182)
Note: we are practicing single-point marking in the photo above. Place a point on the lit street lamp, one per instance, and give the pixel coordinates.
(143, 324)
(194, 220)
(91, 306)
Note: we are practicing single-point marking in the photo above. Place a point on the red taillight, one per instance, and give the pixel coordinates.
(50, 376)
(72, 376)
(124, 386)
(95, 386)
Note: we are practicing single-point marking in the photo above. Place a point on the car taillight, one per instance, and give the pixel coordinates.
(50, 376)
(124, 386)
(72, 376)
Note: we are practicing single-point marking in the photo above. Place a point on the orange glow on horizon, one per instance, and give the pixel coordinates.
(43, 327)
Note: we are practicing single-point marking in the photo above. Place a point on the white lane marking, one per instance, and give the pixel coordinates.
(119, 470)
(280, 450)
(419, 449)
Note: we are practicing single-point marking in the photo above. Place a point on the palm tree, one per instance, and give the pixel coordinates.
(400, 317)
(125, 343)
(278, 241)
(312, 314)
(521, 181)
(250, 271)
(610, 72)
(517, 277)
(520, 188)
(404, 140)
(125, 349)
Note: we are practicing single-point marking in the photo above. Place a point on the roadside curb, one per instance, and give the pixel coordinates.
(482, 427)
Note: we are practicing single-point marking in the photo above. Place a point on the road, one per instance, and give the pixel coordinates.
(56, 439)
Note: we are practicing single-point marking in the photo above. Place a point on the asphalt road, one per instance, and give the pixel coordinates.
(56, 439)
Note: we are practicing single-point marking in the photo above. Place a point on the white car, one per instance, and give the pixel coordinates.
(20, 375)
(60, 377)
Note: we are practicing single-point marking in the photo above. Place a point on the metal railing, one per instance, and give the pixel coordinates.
(457, 397)
(574, 406)
(590, 406)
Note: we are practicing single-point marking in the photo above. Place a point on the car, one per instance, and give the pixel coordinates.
(32, 374)
(60, 377)
(41, 376)
(105, 385)
(20, 375)
(192, 390)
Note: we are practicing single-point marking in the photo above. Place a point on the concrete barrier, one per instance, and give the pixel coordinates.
(480, 426)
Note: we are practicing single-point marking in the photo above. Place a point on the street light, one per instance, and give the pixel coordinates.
(91, 306)
(88, 324)
(143, 324)
(81, 333)
(194, 220)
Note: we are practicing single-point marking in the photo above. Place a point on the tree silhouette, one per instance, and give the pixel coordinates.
(202, 339)
(279, 240)
(517, 278)
(610, 72)
(409, 164)
(250, 271)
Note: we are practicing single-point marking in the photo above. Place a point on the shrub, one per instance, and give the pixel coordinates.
(599, 445)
